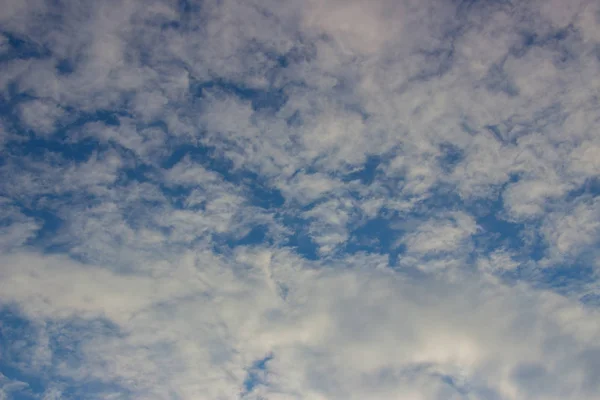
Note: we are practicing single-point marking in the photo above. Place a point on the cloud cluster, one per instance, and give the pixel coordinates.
(299, 200)
(361, 331)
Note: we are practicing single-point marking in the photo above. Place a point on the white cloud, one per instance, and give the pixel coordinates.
(443, 235)
(528, 198)
(498, 261)
(17, 227)
(306, 188)
(486, 166)
(356, 25)
(368, 331)
(40, 117)
(573, 230)
(471, 110)
(148, 143)
(585, 159)
(7, 386)
(328, 225)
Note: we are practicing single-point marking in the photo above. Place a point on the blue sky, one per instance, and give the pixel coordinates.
(299, 200)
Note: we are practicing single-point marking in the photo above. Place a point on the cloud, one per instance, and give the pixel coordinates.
(441, 236)
(213, 319)
(9, 386)
(572, 231)
(18, 227)
(39, 116)
(306, 188)
(299, 199)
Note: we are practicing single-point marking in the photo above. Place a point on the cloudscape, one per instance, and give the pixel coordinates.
(299, 199)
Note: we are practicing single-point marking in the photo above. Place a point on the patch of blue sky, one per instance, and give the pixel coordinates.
(50, 224)
(567, 280)
(65, 67)
(438, 62)
(256, 374)
(21, 47)
(58, 142)
(591, 300)
(39, 148)
(257, 235)
(455, 384)
(497, 80)
(19, 344)
(138, 172)
(300, 239)
(75, 390)
(260, 99)
(367, 173)
(376, 235)
(259, 192)
(589, 188)
(500, 233)
(451, 155)
(17, 337)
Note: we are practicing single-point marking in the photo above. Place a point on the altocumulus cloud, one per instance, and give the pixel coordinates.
(299, 199)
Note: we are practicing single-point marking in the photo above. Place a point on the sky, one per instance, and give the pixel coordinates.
(299, 200)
